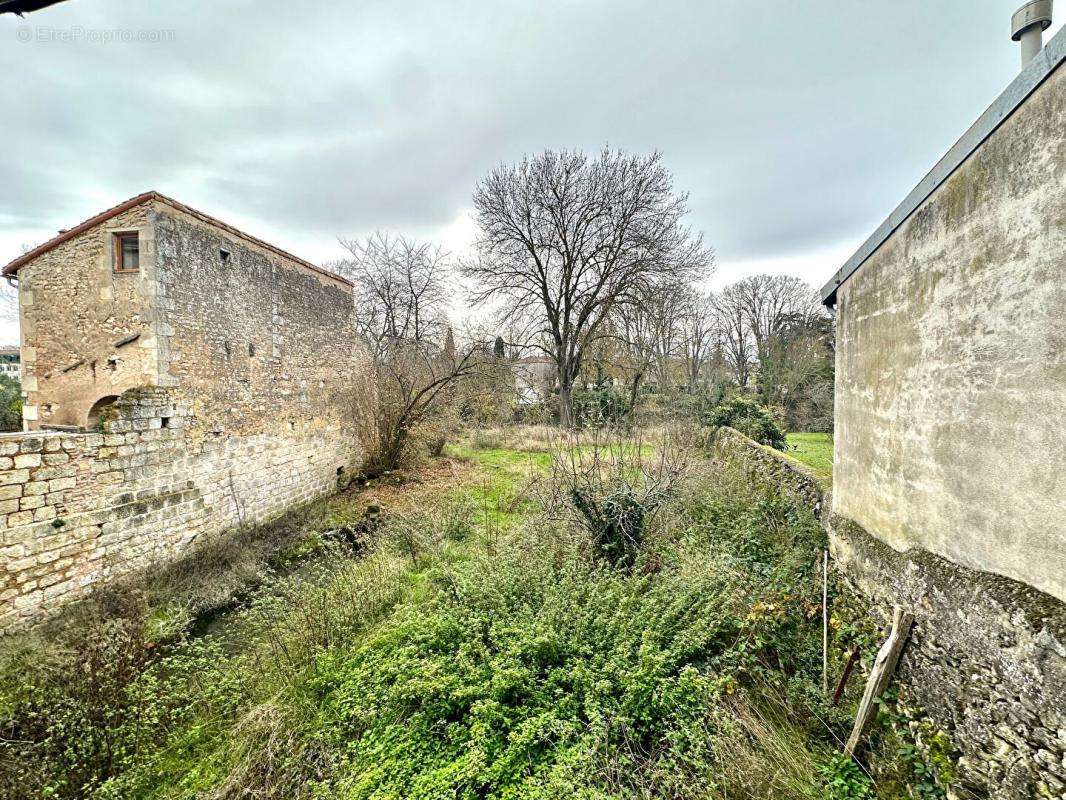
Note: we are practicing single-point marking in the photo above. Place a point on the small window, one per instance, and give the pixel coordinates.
(127, 252)
(223, 257)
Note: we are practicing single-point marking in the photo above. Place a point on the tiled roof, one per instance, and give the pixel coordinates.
(67, 235)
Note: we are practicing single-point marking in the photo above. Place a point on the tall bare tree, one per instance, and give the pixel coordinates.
(738, 346)
(401, 289)
(565, 239)
(701, 337)
(653, 333)
(769, 301)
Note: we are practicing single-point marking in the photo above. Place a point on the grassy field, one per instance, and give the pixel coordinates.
(815, 450)
(485, 639)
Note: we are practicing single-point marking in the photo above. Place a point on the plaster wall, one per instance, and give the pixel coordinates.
(951, 363)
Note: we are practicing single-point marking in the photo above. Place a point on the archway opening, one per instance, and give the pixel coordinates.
(99, 411)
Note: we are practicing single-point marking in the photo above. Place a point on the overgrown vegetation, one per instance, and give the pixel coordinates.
(10, 404)
(485, 643)
(747, 416)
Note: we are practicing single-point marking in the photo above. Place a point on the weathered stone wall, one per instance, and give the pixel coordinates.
(77, 317)
(951, 362)
(986, 659)
(80, 508)
(258, 342)
(235, 364)
(763, 465)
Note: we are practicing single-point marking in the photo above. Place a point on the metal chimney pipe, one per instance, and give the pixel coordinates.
(1028, 25)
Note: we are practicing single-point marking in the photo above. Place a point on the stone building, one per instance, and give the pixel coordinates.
(949, 486)
(180, 377)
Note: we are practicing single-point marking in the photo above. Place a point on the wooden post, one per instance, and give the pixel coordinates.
(825, 623)
(842, 684)
(880, 675)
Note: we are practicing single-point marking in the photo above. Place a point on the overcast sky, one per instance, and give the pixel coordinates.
(795, 126)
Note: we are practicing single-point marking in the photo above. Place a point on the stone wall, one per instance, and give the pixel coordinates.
(951, 362)
(77, 509)
(764, 465)
(235, 364)
(257, 341)
(78, 318)
(986, 659)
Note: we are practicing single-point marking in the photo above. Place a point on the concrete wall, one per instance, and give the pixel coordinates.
(951, 363)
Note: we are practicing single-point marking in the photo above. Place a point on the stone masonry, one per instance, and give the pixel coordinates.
(986, 658)
(206, 389)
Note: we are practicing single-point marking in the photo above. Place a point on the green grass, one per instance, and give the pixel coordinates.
(815, 450)
(474, 649)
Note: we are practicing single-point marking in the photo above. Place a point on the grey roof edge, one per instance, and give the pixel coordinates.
(1024, 84)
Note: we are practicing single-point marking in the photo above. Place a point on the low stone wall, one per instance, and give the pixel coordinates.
(77, 509)
(986, 659)
(791, 479)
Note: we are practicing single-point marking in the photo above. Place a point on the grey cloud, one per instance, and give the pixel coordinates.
(795, 126)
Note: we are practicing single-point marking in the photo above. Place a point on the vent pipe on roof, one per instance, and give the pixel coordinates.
(1028, 25)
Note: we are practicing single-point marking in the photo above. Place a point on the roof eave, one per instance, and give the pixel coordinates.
(1023, 85)
(13, 267)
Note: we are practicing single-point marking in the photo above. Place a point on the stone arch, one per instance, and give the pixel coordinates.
(100, 410)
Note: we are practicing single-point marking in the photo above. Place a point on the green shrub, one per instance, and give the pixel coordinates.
(599, 406)
(612, 488)
(747, 416)
(10, 404)
(616, 520)
(845, 780)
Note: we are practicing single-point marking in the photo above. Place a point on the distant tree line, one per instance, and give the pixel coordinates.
(586, 259)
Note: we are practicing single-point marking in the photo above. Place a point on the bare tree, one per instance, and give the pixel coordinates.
(566, 239)
(408, 387)
(737, 344)
(401, 289)
(700, 336)
(653, 334)
(401, 297)
(768, 301)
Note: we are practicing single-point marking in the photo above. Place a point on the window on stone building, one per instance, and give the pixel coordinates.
(127, 252)
(223, 257)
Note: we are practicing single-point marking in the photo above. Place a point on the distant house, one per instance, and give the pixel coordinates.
(534, 378)
(10, 362)
(949, 475)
